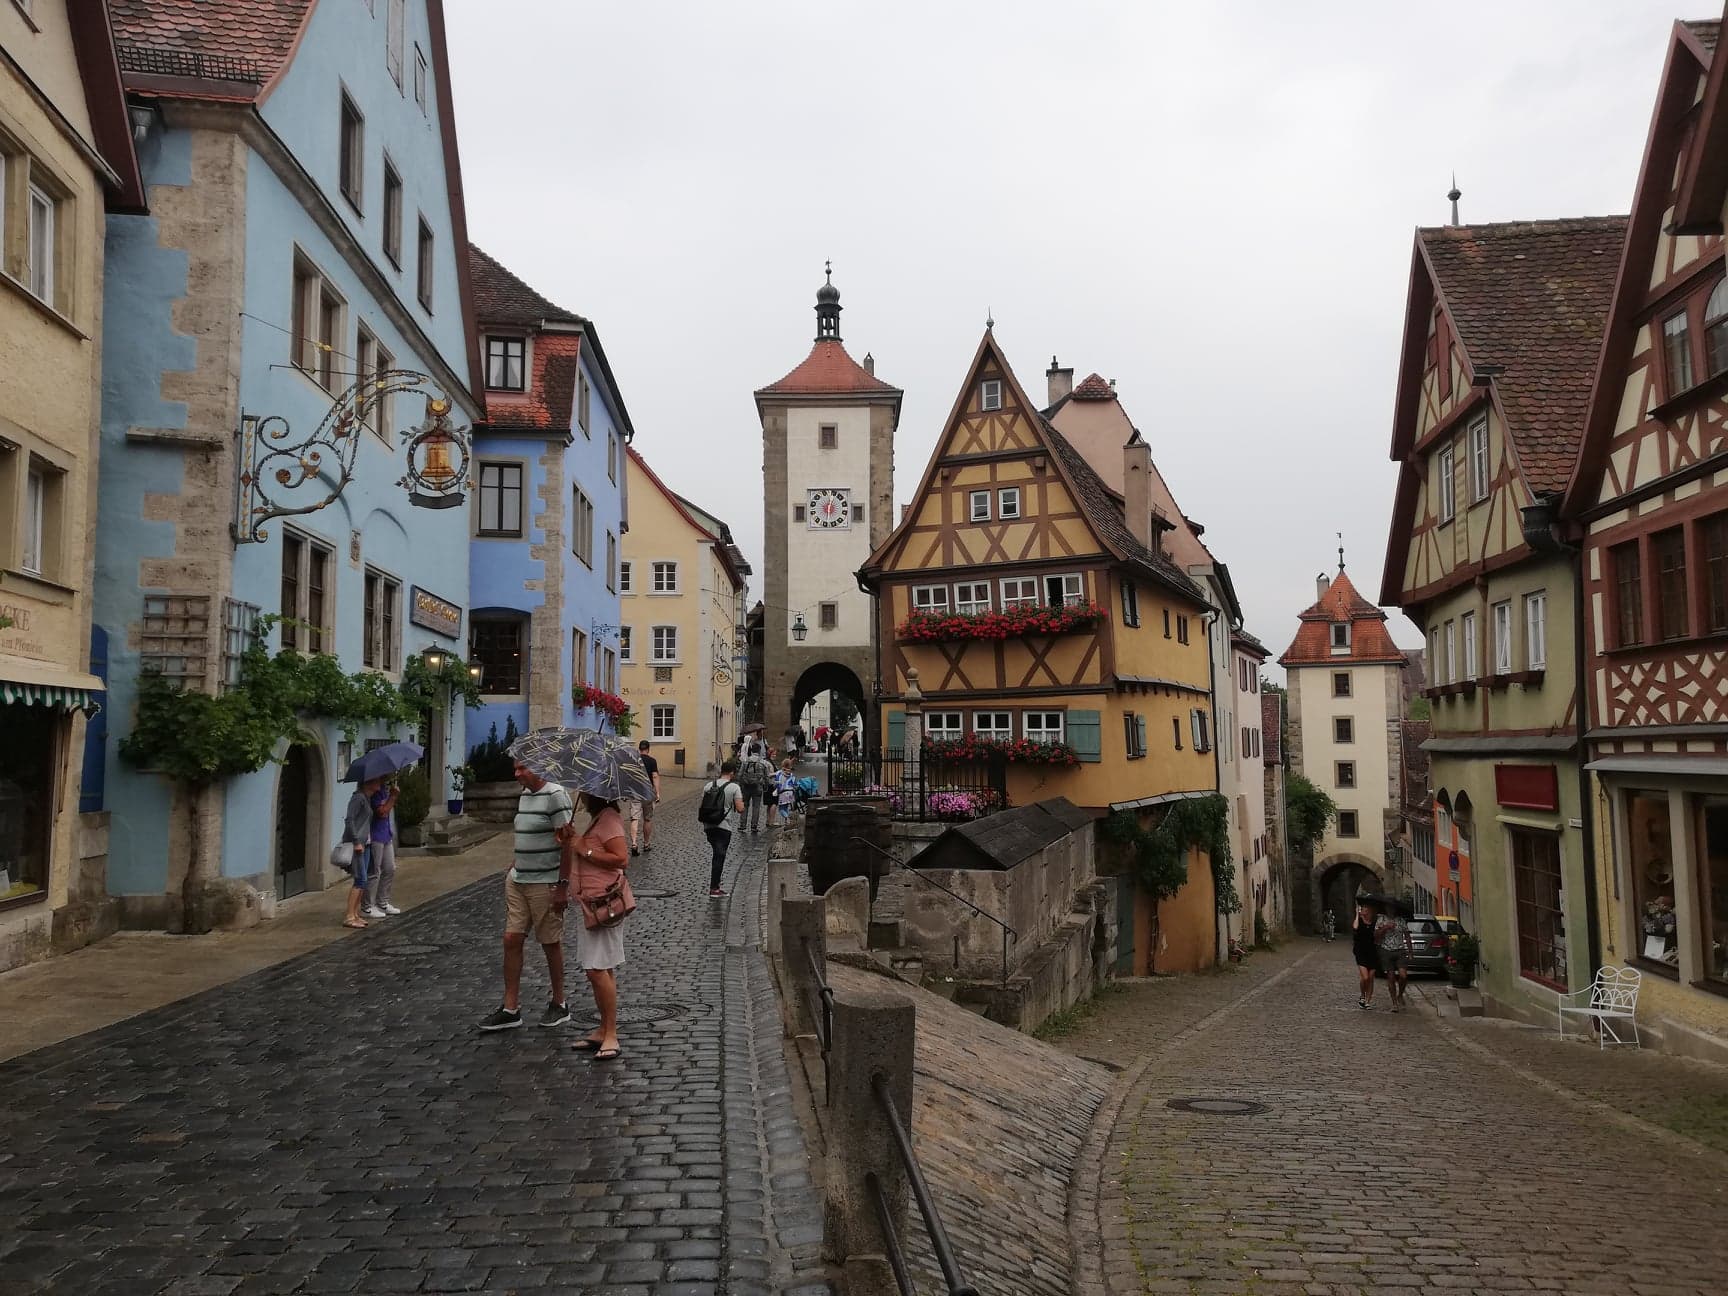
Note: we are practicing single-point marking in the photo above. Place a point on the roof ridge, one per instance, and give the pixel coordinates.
(828, 368)
(494, 311)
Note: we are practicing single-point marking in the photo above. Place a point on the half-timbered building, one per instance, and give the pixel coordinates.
(1650, 497)
(1040, 614)
(1501, 334)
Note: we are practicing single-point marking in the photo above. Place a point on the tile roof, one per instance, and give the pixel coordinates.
(1705, 32)
(1242, 639)
(1093, 387)
(828, 370)
(247, 40)
(501, 298)
(1370, 641)
(1533, 296)
(1272, 727)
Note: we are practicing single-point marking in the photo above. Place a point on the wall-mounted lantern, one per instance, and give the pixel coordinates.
(799, 629)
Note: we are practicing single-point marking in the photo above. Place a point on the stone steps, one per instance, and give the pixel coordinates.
(451, 835)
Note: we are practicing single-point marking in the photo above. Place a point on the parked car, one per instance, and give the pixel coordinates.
(1430, 940)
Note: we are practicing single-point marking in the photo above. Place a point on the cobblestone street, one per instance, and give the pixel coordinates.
(1386, 1160)
(337, 1123)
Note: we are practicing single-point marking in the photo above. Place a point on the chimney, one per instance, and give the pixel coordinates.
(1137, 490)
(1061, 381)
(869, 364)
(1322, 583)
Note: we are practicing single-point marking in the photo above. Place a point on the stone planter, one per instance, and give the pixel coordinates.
(415, 836)
(491, 802)
(830, 824)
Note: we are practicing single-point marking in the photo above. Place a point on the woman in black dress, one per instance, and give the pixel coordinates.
(1367, 956)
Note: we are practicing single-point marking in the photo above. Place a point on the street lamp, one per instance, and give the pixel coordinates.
(799, 629)
(434, 658)
(475, 671)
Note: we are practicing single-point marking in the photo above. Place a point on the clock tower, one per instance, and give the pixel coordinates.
(828, 472)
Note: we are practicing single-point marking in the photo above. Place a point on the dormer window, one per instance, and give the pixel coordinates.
(990, 396)
(1340, 636)
(506, 366)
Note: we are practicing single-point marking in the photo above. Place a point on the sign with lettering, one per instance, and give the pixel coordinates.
(440, 616)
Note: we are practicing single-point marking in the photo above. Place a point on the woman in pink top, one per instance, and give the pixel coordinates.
(602, 852)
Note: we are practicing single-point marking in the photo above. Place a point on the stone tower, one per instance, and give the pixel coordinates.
(828, 499)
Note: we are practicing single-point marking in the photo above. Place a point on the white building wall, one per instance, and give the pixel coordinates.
(1367, 708)
(822, 563)
(1250, 779)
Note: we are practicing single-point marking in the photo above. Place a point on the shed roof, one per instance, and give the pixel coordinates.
(1000, 841)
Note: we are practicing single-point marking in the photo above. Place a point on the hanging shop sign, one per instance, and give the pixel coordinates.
(438, 615)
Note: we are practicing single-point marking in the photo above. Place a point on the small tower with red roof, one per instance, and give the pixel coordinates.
(1346, 700)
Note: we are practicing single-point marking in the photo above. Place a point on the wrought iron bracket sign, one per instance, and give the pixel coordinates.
(287, 474)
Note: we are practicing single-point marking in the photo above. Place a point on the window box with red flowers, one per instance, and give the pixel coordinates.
(939, 626)
(1016, 751)
(614, 708)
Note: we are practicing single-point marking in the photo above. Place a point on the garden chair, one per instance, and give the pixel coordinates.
(1611, 997)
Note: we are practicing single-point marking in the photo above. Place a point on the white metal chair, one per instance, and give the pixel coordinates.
(1611, 997)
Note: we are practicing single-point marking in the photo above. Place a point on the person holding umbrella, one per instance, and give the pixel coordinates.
(370, 829)
(1367, 954)
(1392, 934)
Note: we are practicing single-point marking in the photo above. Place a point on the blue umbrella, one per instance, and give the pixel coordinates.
(602, 765)
(381, 761)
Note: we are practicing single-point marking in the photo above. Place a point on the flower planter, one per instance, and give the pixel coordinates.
(1016, 751)
(1461, 975)
(454, 805)
(941, 627)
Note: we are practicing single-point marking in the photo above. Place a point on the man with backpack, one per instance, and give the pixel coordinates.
(721, 800)
(754, 777)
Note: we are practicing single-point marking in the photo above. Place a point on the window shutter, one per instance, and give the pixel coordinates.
(1139, 735)
(1086, 735)
(93, 789)
(896, 731)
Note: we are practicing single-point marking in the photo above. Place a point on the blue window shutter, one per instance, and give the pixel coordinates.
(1085, 735)
(896, 731)
(93, 788)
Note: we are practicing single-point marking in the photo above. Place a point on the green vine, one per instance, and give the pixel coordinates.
(1161, 851)
(420, 683)
(1307, 811)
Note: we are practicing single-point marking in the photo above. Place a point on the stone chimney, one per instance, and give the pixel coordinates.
(870, 364)
(1322, 583)
(1137, 490)
(1060, 380)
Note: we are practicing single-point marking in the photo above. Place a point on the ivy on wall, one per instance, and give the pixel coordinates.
(1161, 850)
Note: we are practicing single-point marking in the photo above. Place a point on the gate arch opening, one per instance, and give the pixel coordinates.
(828, 677)
(1340, 878)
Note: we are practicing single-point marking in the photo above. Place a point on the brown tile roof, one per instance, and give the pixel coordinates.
(1272, 727)
(232, 39)
(1250, 644)
(1370, 642)
(501, 298)
(828, 370)
(1093, 387)
(1533, 296)
(1705, 32)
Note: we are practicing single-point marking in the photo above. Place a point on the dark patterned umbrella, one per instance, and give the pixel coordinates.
(602, 765)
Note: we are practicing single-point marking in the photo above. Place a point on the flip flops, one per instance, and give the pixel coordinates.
(608, 1055)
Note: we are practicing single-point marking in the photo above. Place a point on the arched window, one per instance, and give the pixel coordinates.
(1716, 328)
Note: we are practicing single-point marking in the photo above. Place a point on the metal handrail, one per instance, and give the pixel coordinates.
(825, 991)
(1008, 933)
(890, 1237)
(945, 1258)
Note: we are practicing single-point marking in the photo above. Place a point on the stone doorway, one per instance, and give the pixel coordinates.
(1339, 882)
(299, 796)
(825, 678)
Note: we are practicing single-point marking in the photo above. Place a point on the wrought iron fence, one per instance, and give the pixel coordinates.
(921, 788)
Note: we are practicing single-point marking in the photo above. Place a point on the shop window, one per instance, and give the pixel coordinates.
(1712, 856)
(496, 644)
(1628, 594)
(1536, 891)
(1651, 863)
(28, 761)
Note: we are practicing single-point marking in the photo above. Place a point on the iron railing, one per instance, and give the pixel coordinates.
(922, 790)
(894, 861)
(821, 1012)
(946, 1260)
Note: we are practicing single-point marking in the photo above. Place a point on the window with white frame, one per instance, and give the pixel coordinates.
(1467, 627)
(506, 363)
(239, 624)
(929, 598)
(394, 37)
(421, 76)
(624, 578)
(372, 360)
(990, 394)
(1130, 603)
(972, 596)
(625, 634)
(1019, 591)
(978, 506)
(1008, 503)
(316, 325)
(943, 726)
(665, 578)
(1042, 726)
(1452, 651)
(1502, 622)
(997, 725)
(1201, 724)
(1448, 485)
(1340, 636)
(1479, 459)
(383, 614)
(43, 245)
(663, 720)
(1536, 631)
(34, 557)
(665, 644)
(1436, 666)
(1064, 591)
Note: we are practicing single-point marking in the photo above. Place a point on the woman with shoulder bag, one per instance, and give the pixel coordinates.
(357, 834)
(603, 893)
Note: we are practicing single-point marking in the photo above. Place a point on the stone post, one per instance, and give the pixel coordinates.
(874, 1031)
(912, 748)
(803, 921)
(782, 886)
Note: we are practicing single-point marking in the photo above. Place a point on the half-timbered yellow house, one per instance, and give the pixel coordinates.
(1501, 335)
(1040, 615)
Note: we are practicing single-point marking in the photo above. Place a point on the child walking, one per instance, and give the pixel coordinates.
(785, 791)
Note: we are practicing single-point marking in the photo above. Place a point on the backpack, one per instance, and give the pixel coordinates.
(712, 811)
(755, 773)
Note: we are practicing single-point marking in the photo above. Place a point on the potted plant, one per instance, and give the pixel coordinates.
(460, 776)
(1461, 962)
(413, 801)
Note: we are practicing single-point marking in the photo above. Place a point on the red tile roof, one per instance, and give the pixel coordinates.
(1370, 642)
(501, 298)
(1093, 387)
(1533, 296)
(247, 40)
(828, 370)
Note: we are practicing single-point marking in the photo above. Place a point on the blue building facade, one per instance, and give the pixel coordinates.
(548, 513)
(305, 234)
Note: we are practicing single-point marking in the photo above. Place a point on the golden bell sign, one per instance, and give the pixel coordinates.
(437, 460)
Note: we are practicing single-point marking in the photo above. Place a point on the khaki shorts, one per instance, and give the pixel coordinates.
(635, 809)
(529, 909)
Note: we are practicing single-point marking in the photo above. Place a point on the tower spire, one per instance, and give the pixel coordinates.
(827, 306)
(1340, 536)
(1453, 195)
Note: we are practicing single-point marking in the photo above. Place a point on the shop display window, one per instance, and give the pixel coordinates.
(1652, 877)
(1541, 911)
(1712, 857)
(27, 762)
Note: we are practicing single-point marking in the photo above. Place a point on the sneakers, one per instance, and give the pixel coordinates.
(555, 1015)
(503, 1019)
(373, 911)
(391, 909)
(714, 893)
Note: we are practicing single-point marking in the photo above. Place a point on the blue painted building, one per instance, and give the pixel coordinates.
(306, 232)
(548, 513)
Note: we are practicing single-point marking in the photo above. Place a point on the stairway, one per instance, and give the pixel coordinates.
(453, 834)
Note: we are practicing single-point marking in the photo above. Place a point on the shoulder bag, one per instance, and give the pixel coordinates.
(610, 907)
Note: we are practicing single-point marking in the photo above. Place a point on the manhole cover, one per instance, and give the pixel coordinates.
(410, 949)
(635, 1014)
(652, 893)
(1216, 1106)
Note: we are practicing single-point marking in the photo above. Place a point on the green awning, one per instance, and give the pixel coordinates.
(30, 683)
(48, 695)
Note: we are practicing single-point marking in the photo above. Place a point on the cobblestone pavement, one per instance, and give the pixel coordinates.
(1385, 1161)
(337, 1124)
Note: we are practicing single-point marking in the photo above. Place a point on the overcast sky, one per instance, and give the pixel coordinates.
(1212, 204)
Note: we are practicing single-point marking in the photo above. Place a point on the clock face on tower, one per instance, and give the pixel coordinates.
(829, 510)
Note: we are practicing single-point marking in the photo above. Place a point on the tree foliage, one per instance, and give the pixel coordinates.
(1161, 849)
(842, 711)
(1307, 811)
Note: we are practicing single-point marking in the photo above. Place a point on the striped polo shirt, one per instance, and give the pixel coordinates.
(539, 815)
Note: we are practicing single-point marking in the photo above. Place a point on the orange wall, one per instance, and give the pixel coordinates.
(1187, 923)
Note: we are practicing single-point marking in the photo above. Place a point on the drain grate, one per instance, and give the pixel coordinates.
(652, 893)
(635, 1014)
(1216, 1106)
(410, 949)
